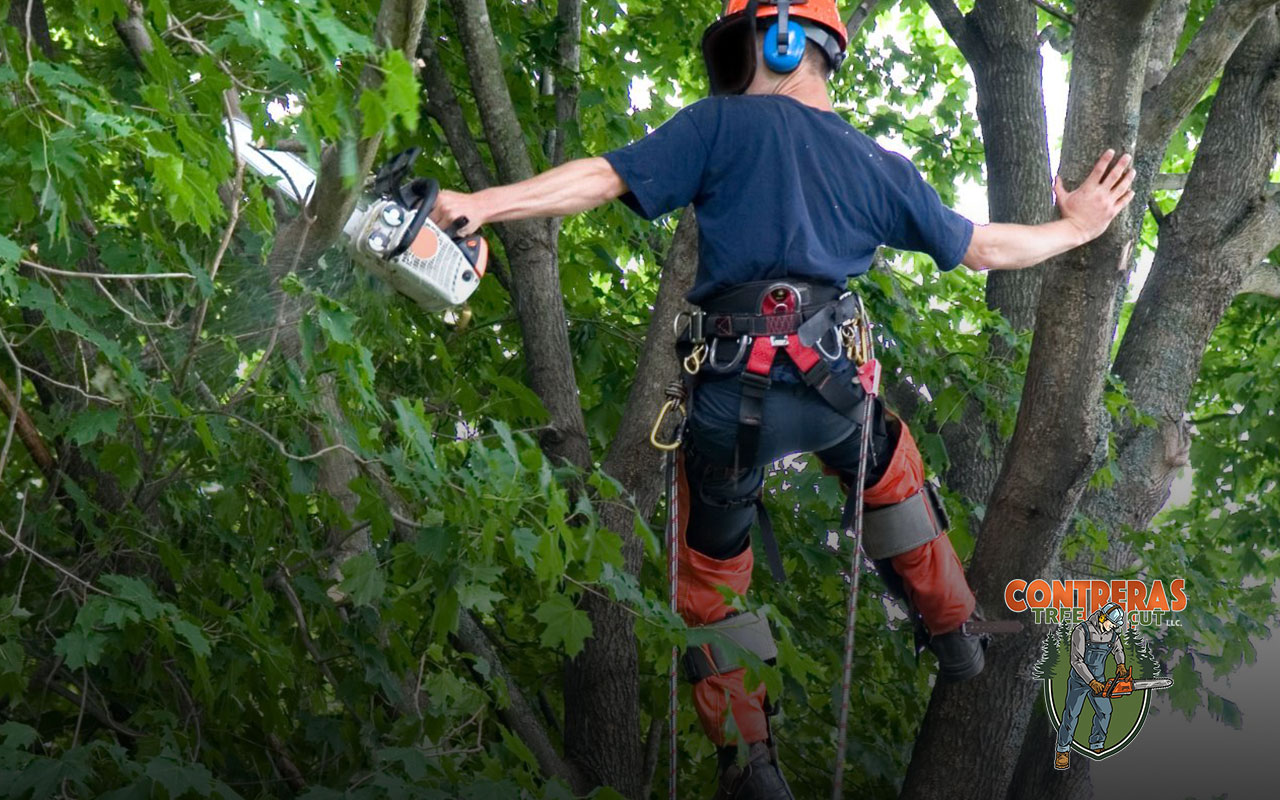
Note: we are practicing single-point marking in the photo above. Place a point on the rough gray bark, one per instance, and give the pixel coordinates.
(1060, 421)
(602, 731)
(1221, 229)
(1208, 246)
(999, 40)
(602, 683)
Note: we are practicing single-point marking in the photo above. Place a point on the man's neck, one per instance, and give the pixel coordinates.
(805, 88)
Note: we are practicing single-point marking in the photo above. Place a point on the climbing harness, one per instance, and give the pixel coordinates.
(813, 324)
(863, 353)
(743, 330)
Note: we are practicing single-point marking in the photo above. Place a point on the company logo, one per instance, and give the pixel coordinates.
(1096, 667)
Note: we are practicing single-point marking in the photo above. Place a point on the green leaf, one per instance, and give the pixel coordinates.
(178, 779)
(18, 736)
(92, 423)
(136, 593)
(193, 636)
(566, 626)
(337, 322)
(10, 252)
(80, 648)
(120, 460)
(362, 580)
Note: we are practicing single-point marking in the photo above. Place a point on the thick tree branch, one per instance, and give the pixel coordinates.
(1177, 181)
(443, 106)
(497, 113)
(1164, 106)
(1167, 27)
(21, 424)
(1263, 279)
(1054, 11)
(133, 31)
(518, 715)
(568, 82)
(864, 12)
(959, 28)
(32, 23)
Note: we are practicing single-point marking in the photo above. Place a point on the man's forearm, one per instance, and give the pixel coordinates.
(1009, 246)
(569, 188)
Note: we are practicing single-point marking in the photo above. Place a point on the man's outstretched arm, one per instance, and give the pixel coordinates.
(569, 188)
(1086, 213)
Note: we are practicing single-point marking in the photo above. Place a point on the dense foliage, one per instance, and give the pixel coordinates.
(172, 622)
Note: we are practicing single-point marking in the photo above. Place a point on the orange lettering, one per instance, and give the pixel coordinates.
(1011, 600)
(1179, 595)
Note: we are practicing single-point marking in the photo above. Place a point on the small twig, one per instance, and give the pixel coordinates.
(1054, 11)
(281, 580)
(280, 445)
(53, 564)
(132, 317)
(84, 701)
(110, 276)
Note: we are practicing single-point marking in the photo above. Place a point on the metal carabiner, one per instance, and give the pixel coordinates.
(835, 329)
(675, 399)
(744, 342)
(693, 362)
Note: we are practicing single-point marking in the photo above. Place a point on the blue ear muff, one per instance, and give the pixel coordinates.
(787, 60)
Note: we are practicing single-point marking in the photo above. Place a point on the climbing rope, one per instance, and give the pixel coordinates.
(675, 402)
(861, 348)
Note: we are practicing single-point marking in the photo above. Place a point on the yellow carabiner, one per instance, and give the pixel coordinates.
(671, 403)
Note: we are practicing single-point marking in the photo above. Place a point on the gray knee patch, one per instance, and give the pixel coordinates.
(901, 527)
(748, 631)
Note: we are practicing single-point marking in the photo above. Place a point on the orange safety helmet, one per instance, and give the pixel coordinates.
(729, 43)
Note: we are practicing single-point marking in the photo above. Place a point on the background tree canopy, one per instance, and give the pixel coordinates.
(269, 530)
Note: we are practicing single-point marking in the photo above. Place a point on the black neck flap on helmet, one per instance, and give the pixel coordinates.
(729, 51)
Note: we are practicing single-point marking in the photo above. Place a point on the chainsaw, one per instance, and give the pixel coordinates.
(390, 233)
(1123, 683)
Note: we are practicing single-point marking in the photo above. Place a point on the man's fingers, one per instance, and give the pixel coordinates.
(1120, 171)
(1100, 169)
(1124, 200)
(1059, 188)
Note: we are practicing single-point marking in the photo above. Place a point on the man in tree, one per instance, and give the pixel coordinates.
(792, 202)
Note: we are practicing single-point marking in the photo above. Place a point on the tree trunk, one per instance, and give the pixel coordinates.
(1060, 421)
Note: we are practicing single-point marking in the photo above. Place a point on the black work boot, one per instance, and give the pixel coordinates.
(961, 655)
(758, 779)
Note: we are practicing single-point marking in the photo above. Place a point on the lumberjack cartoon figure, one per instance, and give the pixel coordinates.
(1091, 642)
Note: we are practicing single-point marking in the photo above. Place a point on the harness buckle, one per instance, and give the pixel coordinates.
(778, 341)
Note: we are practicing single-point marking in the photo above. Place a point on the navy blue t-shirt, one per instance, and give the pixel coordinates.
(783, 189)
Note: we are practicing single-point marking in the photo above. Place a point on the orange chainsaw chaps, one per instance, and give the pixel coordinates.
(904, 475)
(699, 601)
(934, 579)
(932, 573)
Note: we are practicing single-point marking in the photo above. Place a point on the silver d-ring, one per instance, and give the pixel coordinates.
(675, 321)
(743, 343)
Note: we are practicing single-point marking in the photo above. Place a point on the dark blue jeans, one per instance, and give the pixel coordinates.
(795, 420)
